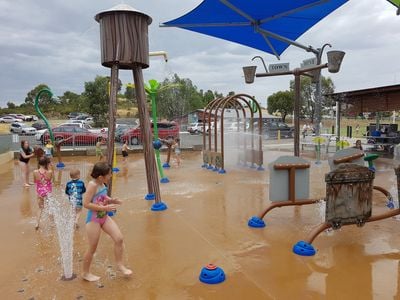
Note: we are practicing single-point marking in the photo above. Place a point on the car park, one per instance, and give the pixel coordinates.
(165, 130)
(74, 135)
(21, 128)
(9, 119)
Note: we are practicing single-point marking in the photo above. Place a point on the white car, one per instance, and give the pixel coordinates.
(21, 128)
(9, 119)
(39, 134)
(195, 128)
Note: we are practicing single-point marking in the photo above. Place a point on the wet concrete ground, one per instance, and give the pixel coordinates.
(206, 222)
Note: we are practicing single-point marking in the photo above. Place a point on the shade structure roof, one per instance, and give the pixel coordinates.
(260, 24)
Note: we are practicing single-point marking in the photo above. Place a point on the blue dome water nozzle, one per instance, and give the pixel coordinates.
(159, 206)
(211, 274)
(304, 249)
(150, 197)
(256, 222)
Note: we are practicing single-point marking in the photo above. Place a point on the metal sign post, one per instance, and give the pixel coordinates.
(334, 61)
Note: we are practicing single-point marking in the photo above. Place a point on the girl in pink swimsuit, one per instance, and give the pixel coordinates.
(98, 204)
(43, 180)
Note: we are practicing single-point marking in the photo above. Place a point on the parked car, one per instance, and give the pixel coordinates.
(21, 128)
(9, 119)
(121, 129)
(76, 135)
(81, 117)
(39, 134)
(77, 124)
(194, 128)
(270, 130)
(165, 130)
(39, 125)
(73, 115)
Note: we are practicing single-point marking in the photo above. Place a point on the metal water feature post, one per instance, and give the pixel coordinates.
(318, 93)
(335, 59)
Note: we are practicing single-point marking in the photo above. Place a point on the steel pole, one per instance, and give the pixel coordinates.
(297, 99)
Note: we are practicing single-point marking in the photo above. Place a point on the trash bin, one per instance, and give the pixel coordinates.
(348, 195)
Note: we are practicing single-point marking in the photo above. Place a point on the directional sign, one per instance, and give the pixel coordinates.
(309, 62)
(275, 68)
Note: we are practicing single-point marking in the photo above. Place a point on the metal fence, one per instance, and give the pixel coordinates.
(6, 143)
(12, 142)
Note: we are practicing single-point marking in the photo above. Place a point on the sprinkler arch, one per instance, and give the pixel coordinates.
(214, 146)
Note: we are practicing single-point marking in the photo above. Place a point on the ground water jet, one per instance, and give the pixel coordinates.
(64, 218)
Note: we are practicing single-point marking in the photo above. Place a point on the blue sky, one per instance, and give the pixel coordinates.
(57, 42)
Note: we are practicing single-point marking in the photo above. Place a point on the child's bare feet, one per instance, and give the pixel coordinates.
(90, 277)
(125, 270)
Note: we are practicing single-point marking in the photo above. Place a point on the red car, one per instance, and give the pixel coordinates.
(75, 136)
(165, 130)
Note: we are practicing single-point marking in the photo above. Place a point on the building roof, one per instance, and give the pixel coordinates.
(384, 98)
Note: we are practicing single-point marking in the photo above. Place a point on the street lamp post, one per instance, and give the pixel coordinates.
(334, 61)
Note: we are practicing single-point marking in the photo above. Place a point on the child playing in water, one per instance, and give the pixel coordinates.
(98, 204)
(75, 188)
(48, 149)
(99, 152)
(177, 151)
(43, 179)
(124, 150)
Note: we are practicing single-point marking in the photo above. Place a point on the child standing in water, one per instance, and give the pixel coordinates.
(75, 188)
(48, 149)
(98, 204)
(124, 151)
(99, 152)
(25, 153)
(43, 179)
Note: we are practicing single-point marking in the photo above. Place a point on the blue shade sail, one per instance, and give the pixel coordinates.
(267, 25)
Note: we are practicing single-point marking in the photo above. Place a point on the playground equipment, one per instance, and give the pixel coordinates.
(289, 177)
(58, 143)
(349, 189)
(152, 89)
(125, 45)
(213, 156)
(212, 274)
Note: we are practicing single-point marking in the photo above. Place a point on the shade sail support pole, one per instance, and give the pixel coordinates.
(288, 41)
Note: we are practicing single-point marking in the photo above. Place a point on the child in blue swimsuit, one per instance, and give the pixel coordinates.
(98, 204)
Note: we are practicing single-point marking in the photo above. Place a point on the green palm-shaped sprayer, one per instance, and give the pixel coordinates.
(152, 89)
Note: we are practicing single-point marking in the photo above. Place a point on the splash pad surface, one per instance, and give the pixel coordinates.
(206, 223)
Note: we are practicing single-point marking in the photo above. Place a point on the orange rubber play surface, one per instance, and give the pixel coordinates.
(206, 222)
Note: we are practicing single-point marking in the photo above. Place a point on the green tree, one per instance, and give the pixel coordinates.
(71, 101)
(179, 100)
(307, 94)
(46, 102)
(11, 105)
(97, 100)
(282, 102)
(130, 94)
